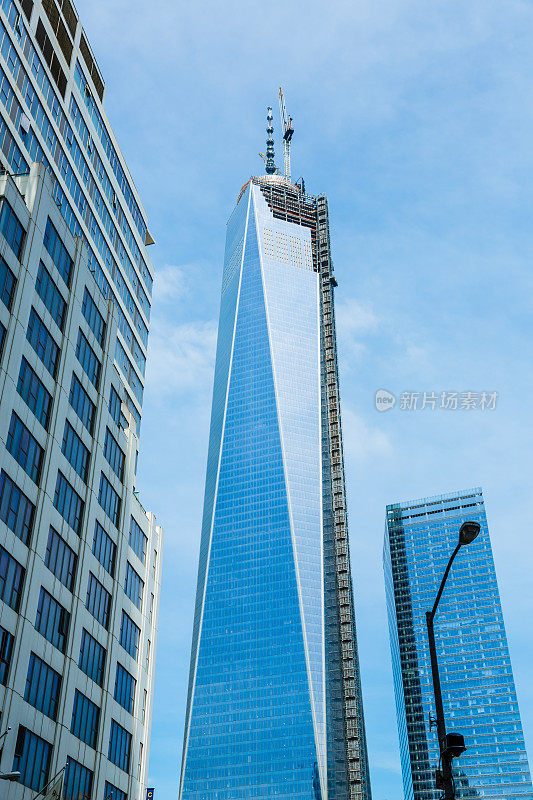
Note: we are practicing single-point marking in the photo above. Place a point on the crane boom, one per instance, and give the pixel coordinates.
(288, 130)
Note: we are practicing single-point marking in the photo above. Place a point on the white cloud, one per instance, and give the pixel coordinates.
(181, 358)
(355, 317)
(170, 283)
(362, 441)
(354, 320)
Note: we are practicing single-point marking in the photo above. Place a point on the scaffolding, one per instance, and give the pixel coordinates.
(288, 201)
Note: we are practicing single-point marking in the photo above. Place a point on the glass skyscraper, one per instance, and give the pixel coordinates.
(274, 704)
(477, 681)
(80, 558)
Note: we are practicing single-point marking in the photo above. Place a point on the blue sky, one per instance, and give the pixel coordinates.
(416, 120)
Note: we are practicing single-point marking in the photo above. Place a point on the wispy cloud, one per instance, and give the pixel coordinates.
(411, 116)
(181, 358)
(363, 441)
(170, 284)
(355, 320)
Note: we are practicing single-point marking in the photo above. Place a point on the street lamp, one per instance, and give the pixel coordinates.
(451, 745)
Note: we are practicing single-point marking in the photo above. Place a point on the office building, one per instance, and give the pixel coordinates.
(478, 689)
(274, 705)
(80, 558)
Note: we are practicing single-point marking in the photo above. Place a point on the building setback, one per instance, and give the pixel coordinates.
(80, 559)
(274, 705)
(478, 689)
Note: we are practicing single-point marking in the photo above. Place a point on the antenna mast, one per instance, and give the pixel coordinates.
(288, 130)
(270, 166)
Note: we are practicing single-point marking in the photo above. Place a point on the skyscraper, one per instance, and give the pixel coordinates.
(274, 704)
(475, 668)
(79, 556)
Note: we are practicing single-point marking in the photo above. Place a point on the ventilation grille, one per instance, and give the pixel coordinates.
(58, 27)
(69, 16)
(91, 66)
(51, 58)
(27, 7)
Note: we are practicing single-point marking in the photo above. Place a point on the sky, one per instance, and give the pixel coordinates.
(416, 120)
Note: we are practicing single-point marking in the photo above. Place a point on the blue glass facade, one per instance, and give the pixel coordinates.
(256, 720)
(478, 689)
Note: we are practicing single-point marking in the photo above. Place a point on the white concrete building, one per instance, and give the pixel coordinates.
(80, 559)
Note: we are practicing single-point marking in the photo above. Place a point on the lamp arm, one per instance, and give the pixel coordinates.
(443, 581)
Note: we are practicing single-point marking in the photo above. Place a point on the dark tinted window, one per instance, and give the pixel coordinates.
(34, 393)
(51, 296)
(11, 228)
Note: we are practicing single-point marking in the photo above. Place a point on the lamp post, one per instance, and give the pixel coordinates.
(7, 776)
(451, 745)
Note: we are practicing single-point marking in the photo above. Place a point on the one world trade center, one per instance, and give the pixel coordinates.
(274, 706)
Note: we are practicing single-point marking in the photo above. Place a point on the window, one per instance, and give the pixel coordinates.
(52, 620)
(115, 404)
(34, 393)
(85, 719)
(88, 360)
(11, 580)
(43, 685)
(68, 503)
(25, 448)
(129, 635)
(98, 601)
(109, 500)
(93, 317)
(2, 338)
(124, 688)
(119, 746)
(133, 586)
(58, 252)
(8, 283)
(6, 651)
(129, 372)
(104, 548)
(82, 404)
(11, 228)
(112, 793)
(114, 454)
(15, 509)
(32, 759)
(133, 411)
(92, 658)
(51, 296)
(145, 697)
(78, 781)
(138, 540)
(43, 343)
(60, 559)
(140, 762)
(75, 451)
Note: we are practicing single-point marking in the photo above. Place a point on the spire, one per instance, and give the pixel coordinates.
(269, 162)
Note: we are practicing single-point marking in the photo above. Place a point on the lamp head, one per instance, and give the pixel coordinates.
(468, 532)
(455, 744)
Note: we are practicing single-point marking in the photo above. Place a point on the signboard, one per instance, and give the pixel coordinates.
(150, 794)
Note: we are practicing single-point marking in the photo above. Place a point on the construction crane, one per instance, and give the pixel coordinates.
(288, 130)
(263, 156)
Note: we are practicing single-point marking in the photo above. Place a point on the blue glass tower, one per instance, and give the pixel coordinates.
(274, 704)
(478, 689)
